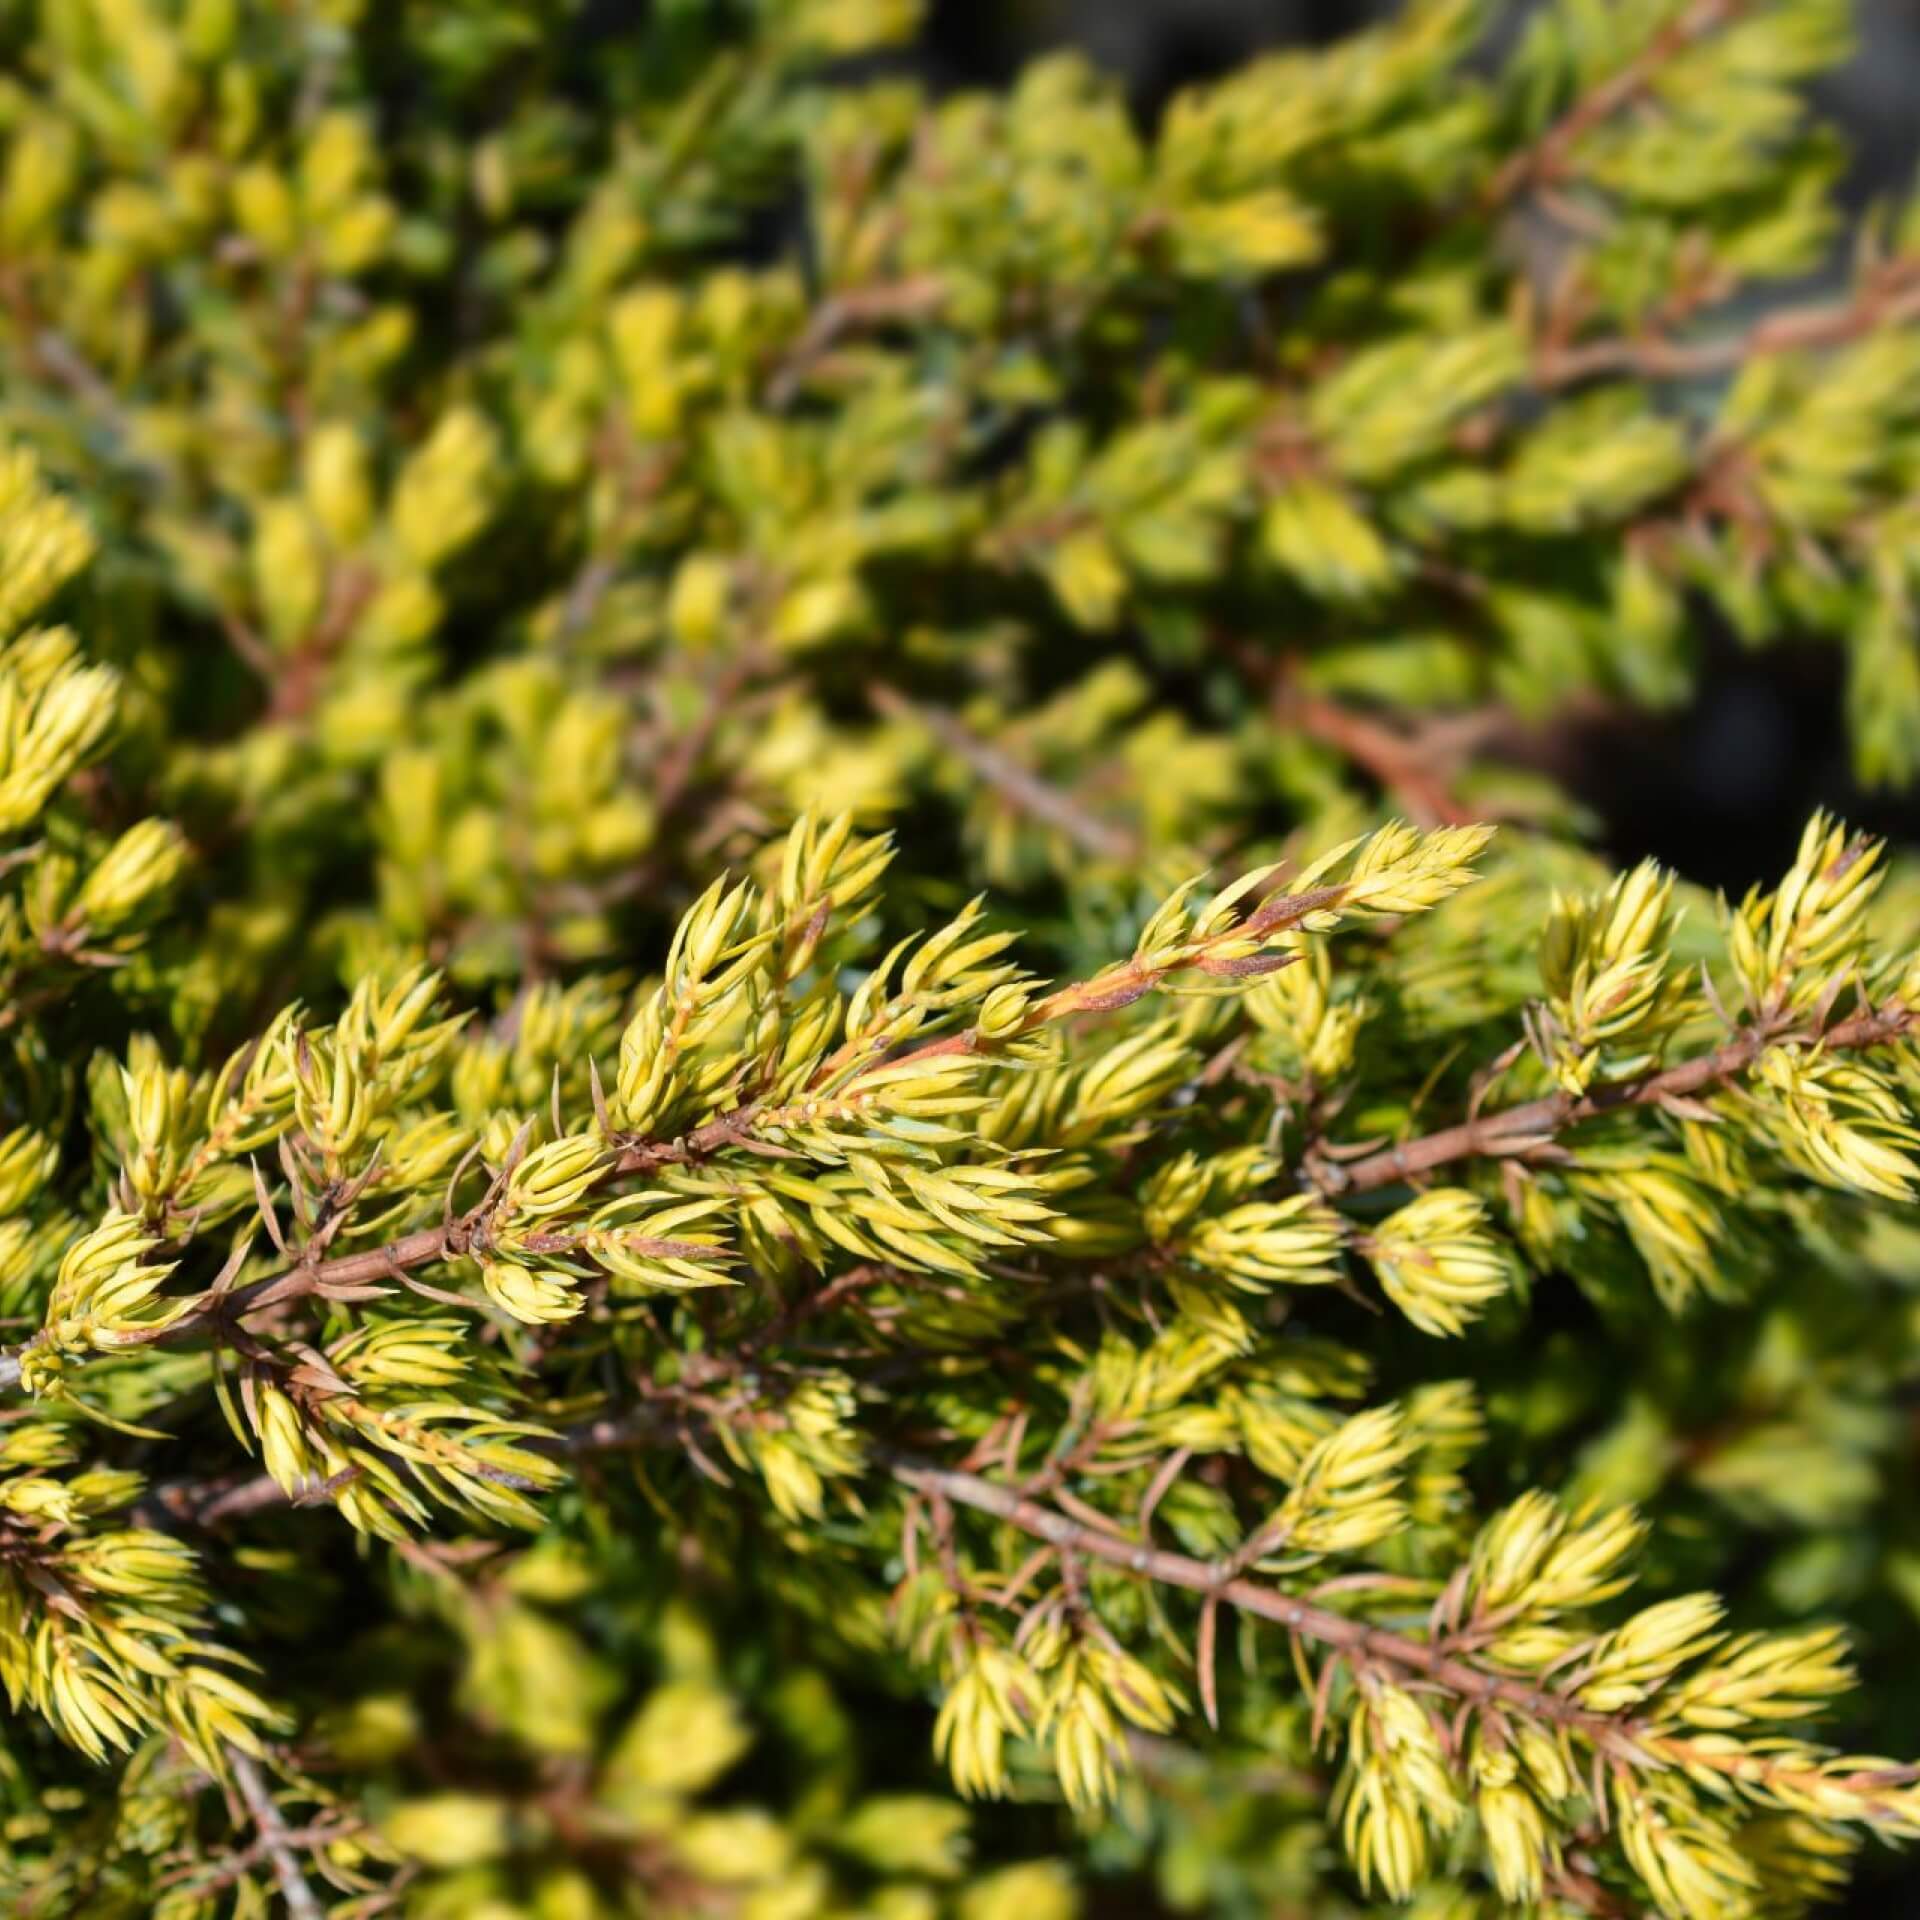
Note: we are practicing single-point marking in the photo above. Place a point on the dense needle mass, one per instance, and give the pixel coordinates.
(784, 1034)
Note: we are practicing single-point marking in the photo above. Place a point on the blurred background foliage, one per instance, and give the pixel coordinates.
(1721, 788)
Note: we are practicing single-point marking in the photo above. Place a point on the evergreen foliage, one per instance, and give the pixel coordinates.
(785, 1038)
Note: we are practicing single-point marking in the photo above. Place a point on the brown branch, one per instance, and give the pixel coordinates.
(1623, 1740)
(674, 773)
(193, 1504)
(673, 781)
(590, 586)
(1573, 1884)
(1545, 161)
(1514, 1131)
(1215, 1581)
(1388, 756)
(246, 642)
(1118, 987)
(1339, 1632)
(810, 1306)
(304, 1279)
(1888, 298)
(301, 1901)
(1024, 788)
(913, 299)
(296, 1282)
(1526, 1128)
(208, 1878)
(298, 679)
(1413, 766)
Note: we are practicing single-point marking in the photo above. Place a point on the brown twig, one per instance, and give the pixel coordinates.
(1024, 788)
(207, 1879)
(1622, 1741)
(302, 1903)
(1217, 1582)
(1388, 756)
(1545, 161)
(1411, 1659)
(343, 1273)
(1573, 1884)
(187, 1503)
(673, 775)
(297, 680)
(1526, 1128)
(1513, 1131)
(1889, 297)
(911, 299)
